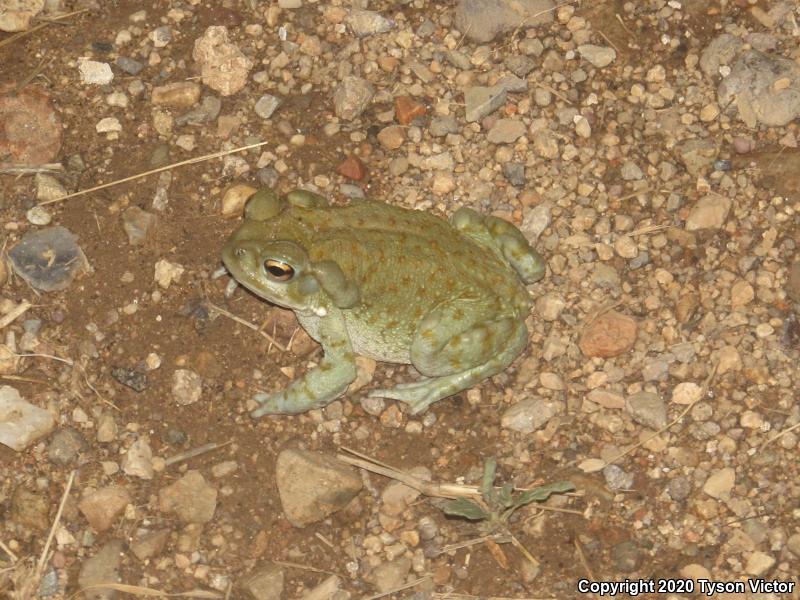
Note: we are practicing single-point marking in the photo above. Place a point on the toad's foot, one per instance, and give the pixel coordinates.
(283, 403)
(419, 395)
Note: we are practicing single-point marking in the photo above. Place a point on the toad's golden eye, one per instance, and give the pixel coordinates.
(277, 270)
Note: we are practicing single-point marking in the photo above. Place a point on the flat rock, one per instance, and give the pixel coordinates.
(16, 15)
(137, 223)
(266, 105)
(351, 97)
(610, 334)
(506, 131)
(390, 575)
(101, 568)
(182, 94)
(647, 409)
(190, 498)
(763, 87)
(30, 130)
(686, 392)
(266, 583)
(187, 386)
(697, 155)
(93, 72)
(312, 486)
(483, 20)
(481, 101)
(597, 56)
(21, 423)
(720, 483)
(710, 212)
(364, 23)
(103, 506)
(65, 446)
(223, 67)
(48, 259)
(527, 416)
(149, 544)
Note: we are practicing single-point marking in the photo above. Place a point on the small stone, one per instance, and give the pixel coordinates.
(721, 51)
(536, 220)
(93, 72)
(351, 97)
(183, 94)
(626, 247)
(631, 172)
(710, 212)
(102, 568)
(483, 20)
(108, 125)
(16, 15)
(30, 130)
(160, 36)
(29, 509)
(205, 113)
(266, 583)
(551, 381)
(793, 282)
(545, 143)
(130, 377)
(617, 479)
(742, 294)
(519, 65)
(441, 126)
(759, 563)
(686, 392)
(390, 575)
(129, 65)
(729, 360)
(106, 429)
(223, 67)
(167, 272)
(102, 507)
(352, 168)
(527, 416)
(364, 23)
(582, 127)
(611, 334)
(720, 483)
(138, 460)
(48, 188)
(267, 105)
(64, 446)
(235, 198)
(647, 409)
(149, 544)
(406, 109)
(506, 131)
(679, 488)
(598, 56)
(329, 589)
(482, 101)
(190, 498)
(514, 173)
(606, 399)
(137, 223)
(187, 386)
(312, 486)
(697, 155)
(21, 423)
(626, 556)
(550, 306)
(392, 137)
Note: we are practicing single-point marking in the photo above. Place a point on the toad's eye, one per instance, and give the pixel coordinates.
(277, 270)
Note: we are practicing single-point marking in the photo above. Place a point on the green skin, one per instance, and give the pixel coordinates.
(393, 284)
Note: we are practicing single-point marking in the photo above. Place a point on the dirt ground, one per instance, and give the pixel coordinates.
(116, 315)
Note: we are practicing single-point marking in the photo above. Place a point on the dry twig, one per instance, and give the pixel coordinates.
(181, 456)
(247, 324)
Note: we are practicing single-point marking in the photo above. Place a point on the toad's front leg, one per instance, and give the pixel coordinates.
(321, 385)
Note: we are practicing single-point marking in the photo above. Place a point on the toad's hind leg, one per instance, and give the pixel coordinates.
(505, 238)
(455, 361)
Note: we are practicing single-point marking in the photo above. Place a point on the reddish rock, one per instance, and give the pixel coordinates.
(30, 130)
(610, 334)
(406, 109)
(352, 168)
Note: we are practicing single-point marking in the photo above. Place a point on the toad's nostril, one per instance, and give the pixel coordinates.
(239, 252)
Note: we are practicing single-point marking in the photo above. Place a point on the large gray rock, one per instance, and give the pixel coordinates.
(312, 486)
(483, 20)
(764, 88)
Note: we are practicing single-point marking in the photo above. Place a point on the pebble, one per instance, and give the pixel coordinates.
(208, 110)
(729, 360)
(137, 224)
(545, 143)
(506, 131)
(38, 215)
(266, 106)
(223, 67)
(536, 220)
(187, 387)
(130, 377)
(606, 398)
(129, 65)
(351, 97)
(515, 174)
(149, 544)
(720, 51)
(441, 126)
(610, 334)
(101, 568)
(93, 72)
(597, 56)
(617, 479)
(138, 460)
(390, 575)
(720, 483)
(686, 392)
(482, 101)
(183, 94)
(626, 556)
(697, 155)
(108, 125)
(483, 20)
(527, 416)
(313, 486)
(392, 137)
(353, 168)
(710, 212)
(191, 499)
(166, 273)
(742, 294)
(550, 306)
(364, 23)
(48, 188)
(16, 15)
(407, 110)
(22, 423)
(631, 172)
(266, 583)
(235, 198)
(647, 409)
(679, 488)
(759, 563)
(65, 445)
(102, 507)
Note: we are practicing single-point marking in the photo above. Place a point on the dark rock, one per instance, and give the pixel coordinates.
(64, 446)
(132, 378)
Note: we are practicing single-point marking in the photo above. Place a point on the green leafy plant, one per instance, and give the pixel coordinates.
(497, 504)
